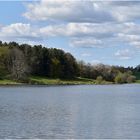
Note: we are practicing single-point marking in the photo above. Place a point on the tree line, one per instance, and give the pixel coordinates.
(19, 62)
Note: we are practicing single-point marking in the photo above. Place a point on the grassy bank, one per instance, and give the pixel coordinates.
(48, 81)
(8, 82)
(37, 80)
(76, 81)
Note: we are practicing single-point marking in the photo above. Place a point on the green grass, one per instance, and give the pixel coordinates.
(38, 80)
(8, 82)
(76, 81)
(138, 81)
(48, 81)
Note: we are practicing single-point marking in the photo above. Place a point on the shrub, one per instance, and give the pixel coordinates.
(99, 79)
(124, 78)
(131, 79)
(121, 78)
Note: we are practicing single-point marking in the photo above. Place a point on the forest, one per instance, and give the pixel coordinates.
(19, 62)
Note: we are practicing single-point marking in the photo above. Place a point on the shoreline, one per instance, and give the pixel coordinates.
(46, 85)
(45, 81)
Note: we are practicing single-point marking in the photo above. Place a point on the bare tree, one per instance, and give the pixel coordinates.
(17, 64)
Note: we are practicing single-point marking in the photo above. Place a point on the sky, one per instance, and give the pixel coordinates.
(105, 31)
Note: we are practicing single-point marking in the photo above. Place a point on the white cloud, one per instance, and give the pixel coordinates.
(123, 13)
(135, 43)
(67, 10)
(106, 22)
(124, 54)
(85, 42)
(89, 29)
(80, 29)
(18, 31)
(83, 10)
(93, 34)
(131, 39)
(87, 35)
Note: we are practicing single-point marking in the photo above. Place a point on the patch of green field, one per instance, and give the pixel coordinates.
(76, 81)
(48, 81)
(38, 80)
(137, 81)
(8, 82)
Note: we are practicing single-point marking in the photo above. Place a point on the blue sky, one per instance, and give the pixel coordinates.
(94, 31)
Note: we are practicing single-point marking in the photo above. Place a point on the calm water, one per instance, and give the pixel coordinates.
(111, 111)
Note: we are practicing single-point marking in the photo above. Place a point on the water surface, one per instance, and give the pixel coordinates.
(89, 111)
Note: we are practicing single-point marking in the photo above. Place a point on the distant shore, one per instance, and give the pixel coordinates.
(36, 80)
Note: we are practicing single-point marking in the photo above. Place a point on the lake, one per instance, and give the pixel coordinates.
(83, 111)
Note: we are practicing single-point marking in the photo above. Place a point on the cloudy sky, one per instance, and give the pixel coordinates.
(94, 31)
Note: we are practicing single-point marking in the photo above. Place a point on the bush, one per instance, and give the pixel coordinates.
(124, 78)
(131, 79)
(118, 79)
(99, 79)
(121, 78)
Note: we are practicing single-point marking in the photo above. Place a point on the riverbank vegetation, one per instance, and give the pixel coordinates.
(137, 75)
(40, 65)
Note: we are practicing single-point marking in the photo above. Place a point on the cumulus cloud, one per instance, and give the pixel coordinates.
(98, 22)
(18, 31)
(95, 33)
(121, 10)
(80, 29)
(83, 10)
(124, 54)
(131, 39)
(67, 10)
(87, 35)
(97, 29)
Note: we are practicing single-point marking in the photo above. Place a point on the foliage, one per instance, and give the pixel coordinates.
(131, 79)
(137, 75)
(19, 62)
(99, 79)
(125, 78)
